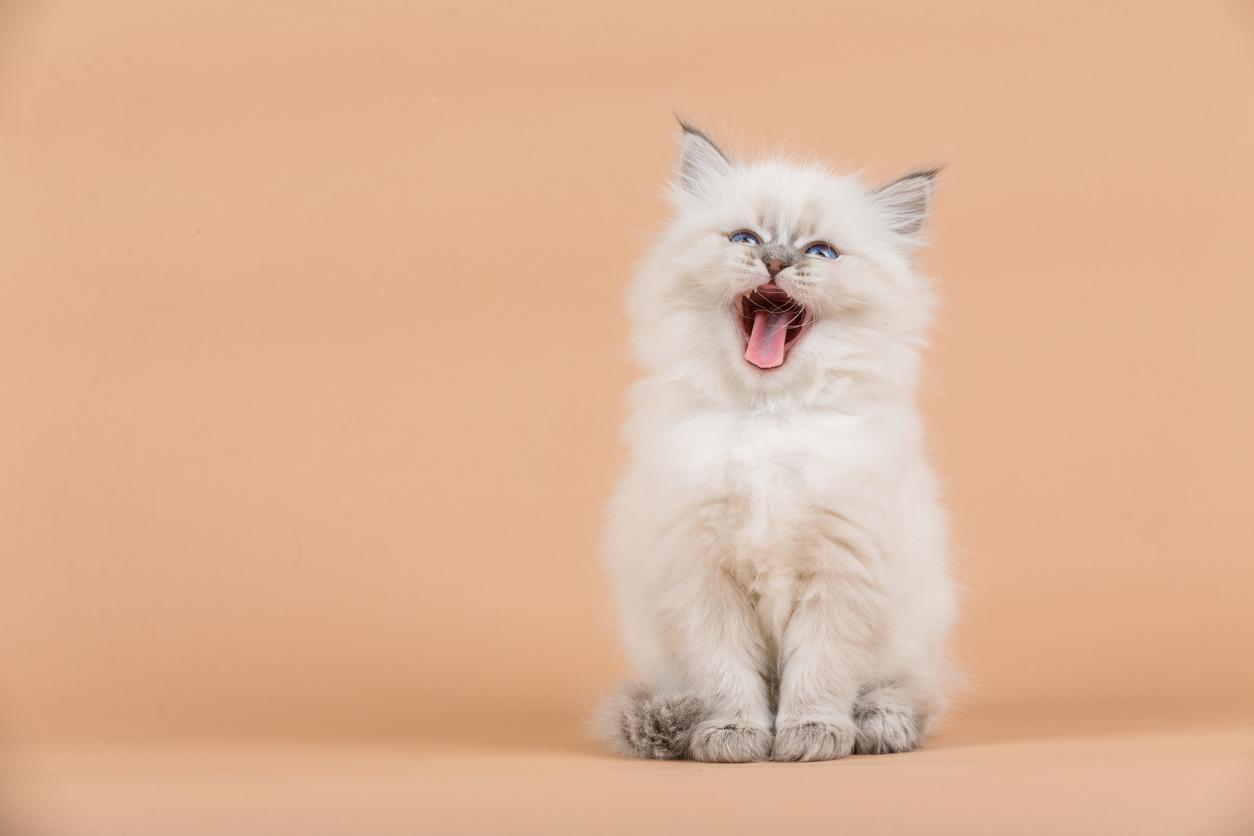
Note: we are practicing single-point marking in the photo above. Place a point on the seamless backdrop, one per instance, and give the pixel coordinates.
(312, 345)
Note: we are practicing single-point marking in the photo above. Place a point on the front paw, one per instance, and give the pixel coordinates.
(813, 740)
(884, 728)
(720, 742)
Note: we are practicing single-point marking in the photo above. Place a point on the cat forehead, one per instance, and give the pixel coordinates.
(794, 198)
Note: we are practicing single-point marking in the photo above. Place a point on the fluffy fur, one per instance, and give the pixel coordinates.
(777, 544)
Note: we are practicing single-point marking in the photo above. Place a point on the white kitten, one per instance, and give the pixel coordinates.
(777, 545)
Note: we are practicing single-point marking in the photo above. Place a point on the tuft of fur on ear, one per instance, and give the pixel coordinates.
(908, 200)
(701, 162)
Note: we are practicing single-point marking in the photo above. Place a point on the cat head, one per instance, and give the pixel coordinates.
(775, 279)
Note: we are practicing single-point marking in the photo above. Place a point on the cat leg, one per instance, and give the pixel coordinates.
(722, 658)
(827, 649)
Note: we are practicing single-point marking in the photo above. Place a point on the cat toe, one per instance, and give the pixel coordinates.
(813, 741)
(731, 743)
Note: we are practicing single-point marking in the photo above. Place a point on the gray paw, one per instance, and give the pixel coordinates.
(885, 727)
(659, 726)
(813, 741)
(730, 743)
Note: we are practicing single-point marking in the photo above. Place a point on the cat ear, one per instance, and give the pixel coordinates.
(701, 162)
(908, 200)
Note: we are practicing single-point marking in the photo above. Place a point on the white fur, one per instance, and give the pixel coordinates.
(782, 529)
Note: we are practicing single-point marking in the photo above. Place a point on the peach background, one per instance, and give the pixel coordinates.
(285, 456)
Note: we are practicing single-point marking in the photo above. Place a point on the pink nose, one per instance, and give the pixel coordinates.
(774, 265)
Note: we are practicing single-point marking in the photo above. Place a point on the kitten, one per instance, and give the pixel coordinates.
(777, 545)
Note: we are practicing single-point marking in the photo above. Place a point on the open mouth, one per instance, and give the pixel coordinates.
(772, 322)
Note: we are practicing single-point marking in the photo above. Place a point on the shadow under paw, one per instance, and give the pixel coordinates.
(813, 741)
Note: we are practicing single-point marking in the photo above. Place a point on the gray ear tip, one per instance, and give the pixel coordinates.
(929, 174)
(686, 126)
(691, 130)
(921, 181)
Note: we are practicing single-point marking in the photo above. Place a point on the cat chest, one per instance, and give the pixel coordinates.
(759, 530)
(760, 508)
(766, 530)
(770, 494)
(764, 485)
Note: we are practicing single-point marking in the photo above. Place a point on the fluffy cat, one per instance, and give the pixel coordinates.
(777, 545)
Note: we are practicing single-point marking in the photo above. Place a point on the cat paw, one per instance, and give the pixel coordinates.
(659, 726)
(813, 741)
(885, 727)
(730, 743)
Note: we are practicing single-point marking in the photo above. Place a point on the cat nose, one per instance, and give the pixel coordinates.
(774, 265)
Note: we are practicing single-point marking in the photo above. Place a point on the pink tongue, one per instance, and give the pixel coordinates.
(766, 340)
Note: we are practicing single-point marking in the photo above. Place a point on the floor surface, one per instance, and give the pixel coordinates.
(1023, 772)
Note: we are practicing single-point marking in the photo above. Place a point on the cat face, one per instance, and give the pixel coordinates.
(775, 277)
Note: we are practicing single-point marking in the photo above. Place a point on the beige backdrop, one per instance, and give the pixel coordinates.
(283, 454)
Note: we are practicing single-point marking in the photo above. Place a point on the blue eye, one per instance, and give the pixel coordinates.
(822, 250)
(744, 237)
